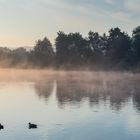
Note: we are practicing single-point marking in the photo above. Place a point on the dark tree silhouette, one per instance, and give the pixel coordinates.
(70, 49)
(61, 49)
(136, 44)
(117, 50)
(119, 44)
(97, 45)
(42, 54)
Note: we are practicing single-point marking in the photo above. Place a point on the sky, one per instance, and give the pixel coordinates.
(23, 22)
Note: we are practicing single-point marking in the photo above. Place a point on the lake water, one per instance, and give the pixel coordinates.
(70, 106)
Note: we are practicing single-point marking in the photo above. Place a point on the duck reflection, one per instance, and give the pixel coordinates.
(71, 90)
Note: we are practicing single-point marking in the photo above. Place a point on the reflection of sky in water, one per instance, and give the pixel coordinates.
(69, 110)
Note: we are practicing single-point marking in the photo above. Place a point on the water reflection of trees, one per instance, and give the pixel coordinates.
(116, 93)
(44, 88)
(136, 96)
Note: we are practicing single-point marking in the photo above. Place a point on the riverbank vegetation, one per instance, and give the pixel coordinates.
(115, 50)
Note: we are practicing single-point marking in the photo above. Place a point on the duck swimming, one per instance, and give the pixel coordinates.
(1, 126)
(32, 126)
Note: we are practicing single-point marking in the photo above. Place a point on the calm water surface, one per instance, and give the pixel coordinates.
(71, 107)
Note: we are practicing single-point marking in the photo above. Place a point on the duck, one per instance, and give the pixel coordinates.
(1, 126)
(31, 125)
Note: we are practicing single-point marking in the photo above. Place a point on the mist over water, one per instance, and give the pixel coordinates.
(69, 105)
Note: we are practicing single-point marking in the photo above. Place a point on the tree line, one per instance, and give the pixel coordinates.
(115, 50)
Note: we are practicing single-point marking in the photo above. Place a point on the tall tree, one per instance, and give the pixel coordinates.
(70, 49)
(119, 45)
(43, 53)
(61, 48)
(136, 43)
(96, 43)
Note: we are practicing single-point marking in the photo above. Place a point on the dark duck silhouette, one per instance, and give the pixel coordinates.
(1, 126)
(32, 126)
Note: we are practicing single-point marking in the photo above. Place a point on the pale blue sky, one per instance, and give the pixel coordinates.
(22, 22)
